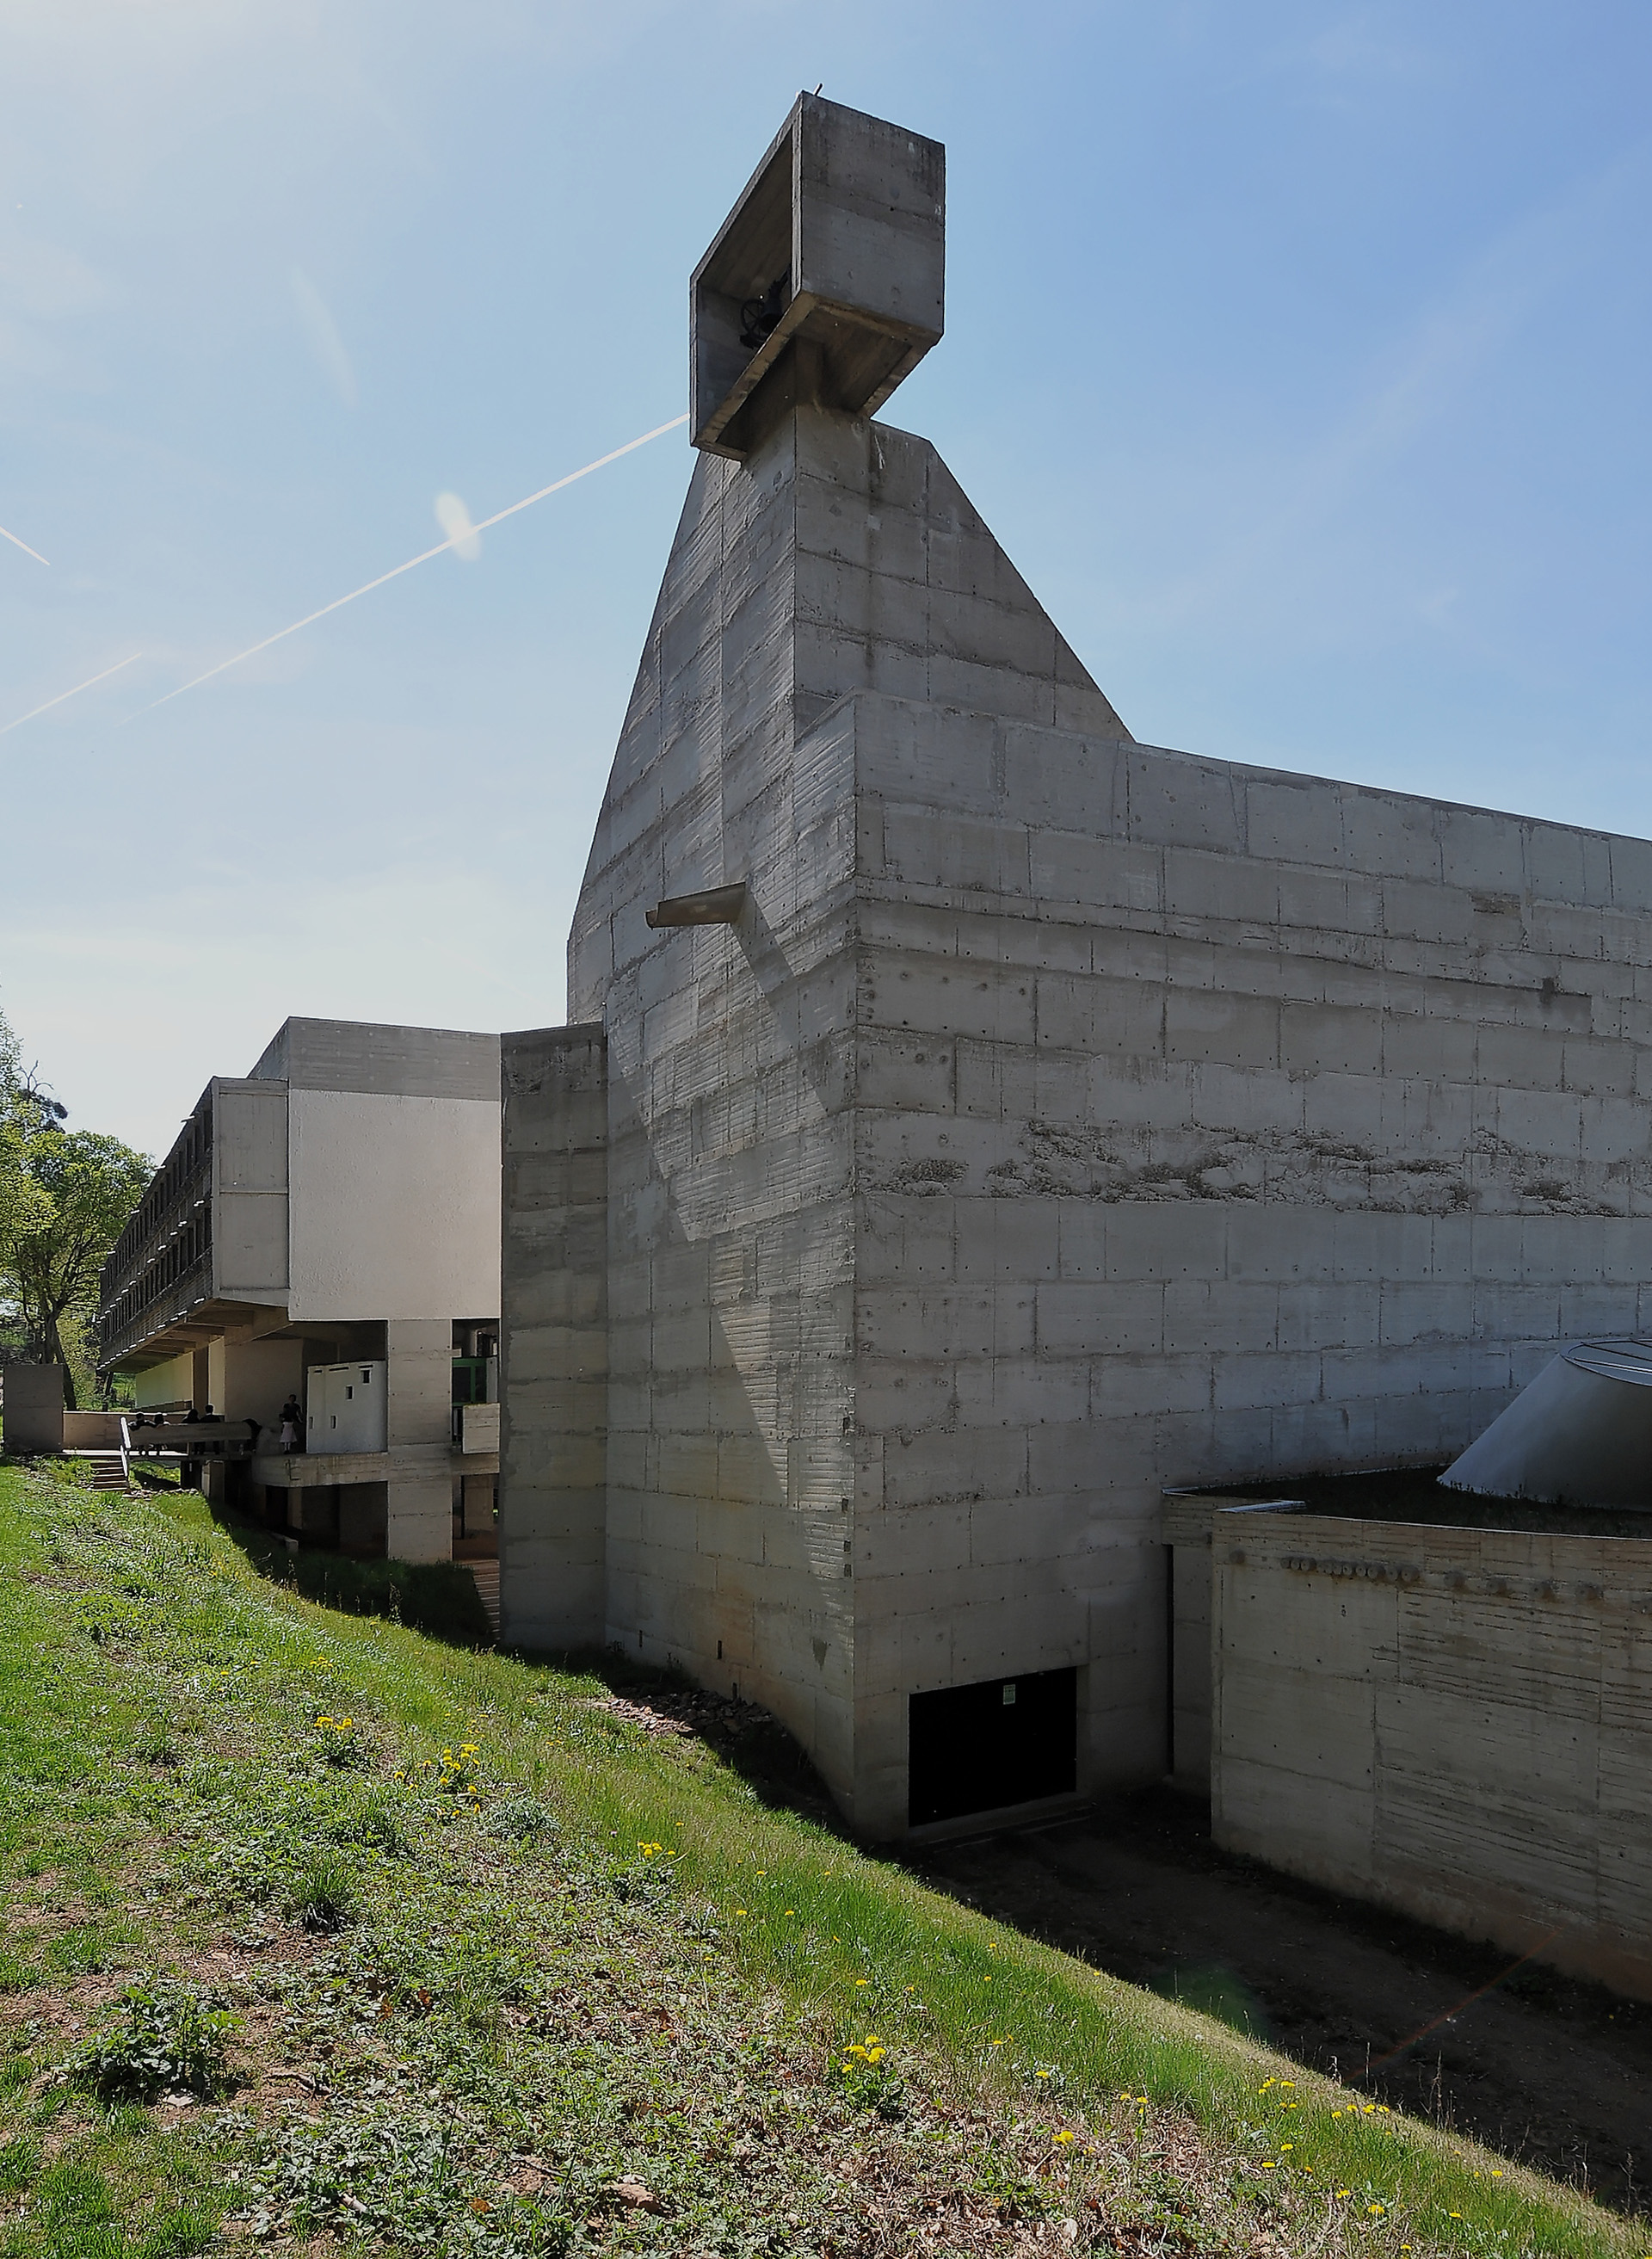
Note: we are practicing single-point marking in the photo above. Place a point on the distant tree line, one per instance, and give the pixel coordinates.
(65, 1198)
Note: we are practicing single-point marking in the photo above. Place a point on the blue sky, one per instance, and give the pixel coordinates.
(1297, 353)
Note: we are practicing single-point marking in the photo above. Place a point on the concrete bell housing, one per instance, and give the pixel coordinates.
(827, 279)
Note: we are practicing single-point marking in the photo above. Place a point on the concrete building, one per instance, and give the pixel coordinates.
(329, 1226)
(972, 1120)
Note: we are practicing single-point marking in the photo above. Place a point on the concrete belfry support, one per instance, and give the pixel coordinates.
(727, 1509)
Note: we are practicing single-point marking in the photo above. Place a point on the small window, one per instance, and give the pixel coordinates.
(348, 1393)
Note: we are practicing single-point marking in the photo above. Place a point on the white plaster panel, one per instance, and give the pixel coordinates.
(395, 1206)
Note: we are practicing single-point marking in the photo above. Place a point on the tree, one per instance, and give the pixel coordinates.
(65, 1198)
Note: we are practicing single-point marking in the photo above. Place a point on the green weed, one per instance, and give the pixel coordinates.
(167, 2038)
(321, 1891)
(518, 1818)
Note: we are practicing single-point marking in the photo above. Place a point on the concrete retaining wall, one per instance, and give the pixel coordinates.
(32, 1408)
(1456, 1722)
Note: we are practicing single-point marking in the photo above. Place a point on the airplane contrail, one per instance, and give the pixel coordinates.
(423, 558)
(27, 552)
(75, 693)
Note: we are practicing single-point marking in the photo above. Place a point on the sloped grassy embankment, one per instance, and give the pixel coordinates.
(323, 1937)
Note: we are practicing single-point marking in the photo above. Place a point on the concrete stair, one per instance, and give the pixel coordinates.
(106, 1470)
(487, 1576)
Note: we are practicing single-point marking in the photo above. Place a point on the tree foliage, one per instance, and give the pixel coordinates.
(65, 1198)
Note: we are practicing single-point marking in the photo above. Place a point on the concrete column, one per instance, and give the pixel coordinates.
(418, 1418)
(554, 1346)
(479, 1506)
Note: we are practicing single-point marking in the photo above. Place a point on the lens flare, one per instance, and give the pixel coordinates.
(454, 520)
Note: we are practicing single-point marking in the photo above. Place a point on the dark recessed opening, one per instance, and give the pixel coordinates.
(1004, 1741)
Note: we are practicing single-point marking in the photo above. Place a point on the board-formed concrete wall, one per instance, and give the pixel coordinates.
(1457, 1722)
(554, 1349)
(1210, 1123)
(1062, 1119)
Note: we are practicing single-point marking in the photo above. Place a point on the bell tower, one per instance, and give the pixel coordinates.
(712, 1452)
(826, 283)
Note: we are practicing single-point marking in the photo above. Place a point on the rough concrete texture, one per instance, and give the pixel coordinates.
(553, 1341)
(1457, 1722)
(32, 1408)
(419, 1422)
(844, 221)
(1065, 1118)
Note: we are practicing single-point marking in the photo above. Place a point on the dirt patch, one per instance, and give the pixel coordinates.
(52, 2016)
(1554, 2073)
(745, 1737)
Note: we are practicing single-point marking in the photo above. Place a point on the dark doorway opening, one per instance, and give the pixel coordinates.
(1004, 1741)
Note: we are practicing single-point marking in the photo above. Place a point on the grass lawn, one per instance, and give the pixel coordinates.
(323, 1935)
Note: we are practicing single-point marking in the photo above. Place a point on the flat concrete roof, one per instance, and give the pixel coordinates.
(367, 1055)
